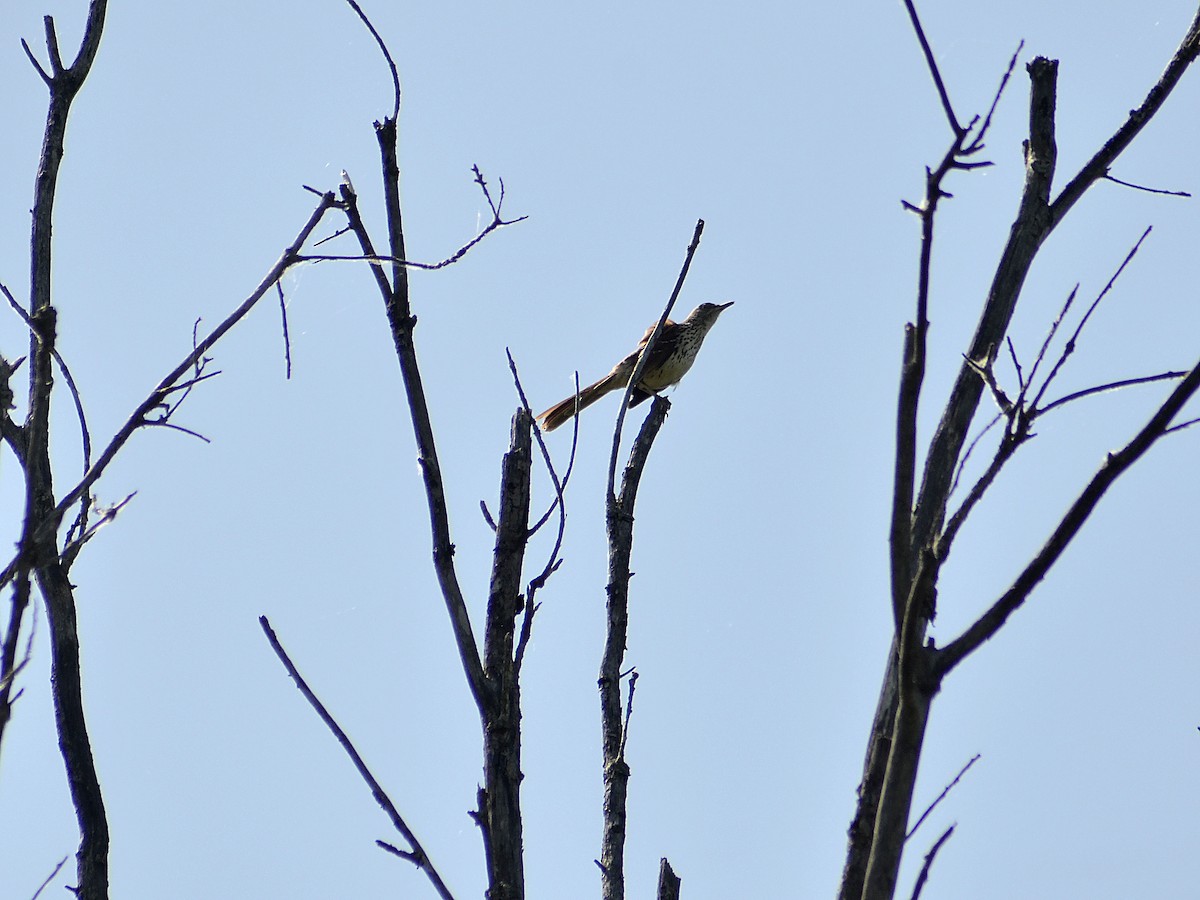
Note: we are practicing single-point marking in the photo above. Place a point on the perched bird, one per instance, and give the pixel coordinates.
(671, 357)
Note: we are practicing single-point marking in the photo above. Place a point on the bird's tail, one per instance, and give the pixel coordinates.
(563, 411)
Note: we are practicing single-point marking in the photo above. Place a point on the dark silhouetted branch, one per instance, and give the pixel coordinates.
(417, 856)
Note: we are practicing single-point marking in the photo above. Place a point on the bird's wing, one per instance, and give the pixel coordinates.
(667, 326)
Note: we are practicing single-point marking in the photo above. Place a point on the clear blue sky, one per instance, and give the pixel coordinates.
(759, 609)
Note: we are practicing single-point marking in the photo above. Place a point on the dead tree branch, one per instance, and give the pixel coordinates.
(619, 528)
(37, 552)
(919, 540)
(641, 363)
(620, 547)
(923, 875)
(417, 855)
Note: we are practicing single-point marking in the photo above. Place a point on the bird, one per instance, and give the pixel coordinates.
(670, 358)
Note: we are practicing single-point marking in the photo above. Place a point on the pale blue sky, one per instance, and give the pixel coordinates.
(759, 611)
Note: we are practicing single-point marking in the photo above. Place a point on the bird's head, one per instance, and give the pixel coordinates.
(708, 312)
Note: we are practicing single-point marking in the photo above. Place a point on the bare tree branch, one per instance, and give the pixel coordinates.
(499, 814)
(1030, 229)
(1113, 467)
(942, 796)
(386, 55)
(170, 383)
(1148, 190)
(37, 552)
(641, 364)
(668, 881)
(559, 488)
(287, 342)
(912, 373)
(84, 433)
(918, 542)
(9, 667)
(1098, 166)
(417, 856)
(923, 875)
(1069, 347)
(402, 322)
(1104, 388)
(619, 521)
(552, 561)
(49, 878)
(947, 107)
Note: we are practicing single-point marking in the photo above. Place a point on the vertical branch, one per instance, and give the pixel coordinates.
(38, 545)
(636, 376)
(499, 814)
(402, 322)
(8, 655)
(620, 547)
(668, 881)
(913, 524)
(916, 684)
(915, 671)
(1031, 228)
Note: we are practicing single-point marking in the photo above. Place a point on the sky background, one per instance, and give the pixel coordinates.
(759, 614)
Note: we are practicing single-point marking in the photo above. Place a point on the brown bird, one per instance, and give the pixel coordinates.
(672, 356)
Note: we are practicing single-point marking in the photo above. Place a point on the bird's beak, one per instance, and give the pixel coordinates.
(725, 306)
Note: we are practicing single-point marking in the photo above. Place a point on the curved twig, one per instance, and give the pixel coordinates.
(1104, 388)
(386, 55)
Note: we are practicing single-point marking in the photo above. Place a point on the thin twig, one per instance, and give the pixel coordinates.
(559, 487)
(1114, 466)
(942, 796)
(1014, 437)
(85, 434)
(163, 423)
(984, 371)
(962, 463)
(1012, 354)
(1099, 165)
(633, 677)
(923, 875)
(409, 263)
(401, 322)
(417, 855)
(37, 65)
(977, 143)
(1054, 326)
(1182, 425)
(641, 363)
(287, 341)
(552, 562)
(71, 548)
(933, 70)
(49, 878)
(386, 55)
(170, 384)
(1069, 347)
(1103, 388)
(1148, 190)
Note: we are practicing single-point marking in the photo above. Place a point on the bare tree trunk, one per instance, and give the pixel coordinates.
(923, 527)
(614, 721)
(500, 798)
(38, 548)
(879, 745)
